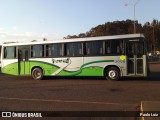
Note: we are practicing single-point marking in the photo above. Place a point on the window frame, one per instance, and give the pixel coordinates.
(79, 55)
(43, 51)
(122, 48)
(5, 54)
(53, 56)
(85, 51)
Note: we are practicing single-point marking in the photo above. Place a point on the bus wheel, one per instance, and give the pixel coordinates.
(112, 73)
(37, 74)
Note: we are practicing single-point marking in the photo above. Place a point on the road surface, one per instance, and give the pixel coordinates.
(78, 94)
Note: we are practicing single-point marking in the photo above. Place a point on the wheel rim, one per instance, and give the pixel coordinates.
(37, 74)
(112, 74)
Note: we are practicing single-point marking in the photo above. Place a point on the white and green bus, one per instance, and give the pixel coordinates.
(0, 55)
(109, 56)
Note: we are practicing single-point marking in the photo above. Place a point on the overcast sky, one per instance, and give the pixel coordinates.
(27, 20)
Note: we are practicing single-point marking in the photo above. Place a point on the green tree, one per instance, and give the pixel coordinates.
(150, 30)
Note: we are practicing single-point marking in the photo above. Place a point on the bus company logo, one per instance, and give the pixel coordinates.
(66, 60)
(6, 114)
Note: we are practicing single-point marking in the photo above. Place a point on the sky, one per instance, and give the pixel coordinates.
(27, 20)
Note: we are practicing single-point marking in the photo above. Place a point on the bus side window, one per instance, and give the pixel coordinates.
(116, 46)
(37, 51)
(88, 51)
(122, 46)
(60, 52)
(80, 51)
(74, 49)
(10, 52)
(26, 55)
(118, 49)
(108, 47)
(32, 52)
(5, 52)
(84, 50)
(94, 48)
(56, 50)
(47, 51)
(130, 49)
(41, 50)
(20, 57)
(101, 51)
(52, 51)
(67, 52)
(40, 53)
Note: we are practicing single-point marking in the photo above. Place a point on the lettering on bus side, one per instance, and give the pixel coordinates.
(61, 60)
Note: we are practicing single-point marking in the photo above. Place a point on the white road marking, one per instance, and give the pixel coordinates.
(66, 101)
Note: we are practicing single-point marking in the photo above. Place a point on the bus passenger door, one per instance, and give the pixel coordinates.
(23, 61)
(136, 58)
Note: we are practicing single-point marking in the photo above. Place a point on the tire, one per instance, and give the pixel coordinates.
(37, 73)
(112, 74)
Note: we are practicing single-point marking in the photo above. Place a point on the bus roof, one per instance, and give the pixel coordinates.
(77, 39)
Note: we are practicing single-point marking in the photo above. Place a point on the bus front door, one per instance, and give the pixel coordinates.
(23, 61)
(136, 58)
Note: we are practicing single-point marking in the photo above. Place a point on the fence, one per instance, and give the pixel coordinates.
(154, 58)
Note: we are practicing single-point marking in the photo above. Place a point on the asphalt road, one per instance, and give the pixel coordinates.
(78, 94)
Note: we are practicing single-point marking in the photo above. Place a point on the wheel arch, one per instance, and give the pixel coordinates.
(109, 66)
(36, 67)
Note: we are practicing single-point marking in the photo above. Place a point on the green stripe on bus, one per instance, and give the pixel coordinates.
(99, 72)
(49, 69)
